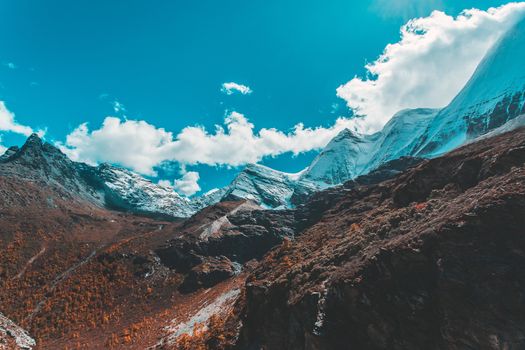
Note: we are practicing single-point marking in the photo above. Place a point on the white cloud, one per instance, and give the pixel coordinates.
(141, 146)
(231, 87)
(8, 122)
(133, 144)
(433, 60)
(187, 184)
(10, 65)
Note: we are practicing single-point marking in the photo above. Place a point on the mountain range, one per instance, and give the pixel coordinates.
(493, 96)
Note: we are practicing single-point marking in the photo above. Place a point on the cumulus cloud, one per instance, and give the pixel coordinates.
(9, 124)
(141, 146)
(133, 144)
(231, 88)
(188, 184)
(432, 61)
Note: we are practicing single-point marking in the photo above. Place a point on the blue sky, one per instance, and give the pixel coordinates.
(64, 63)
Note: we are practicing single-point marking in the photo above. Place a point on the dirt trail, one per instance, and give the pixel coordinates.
(30, 261)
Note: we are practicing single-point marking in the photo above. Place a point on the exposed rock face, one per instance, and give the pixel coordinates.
(431, 259)
(211, 271)
(8, 153)
(235, 231)
(386, 171)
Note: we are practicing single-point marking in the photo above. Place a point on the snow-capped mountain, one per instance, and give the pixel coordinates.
(127, 190)
(488, 103)
(104, 185)
(398, 136)
(268, 187)
(343, 158)
(494, 95)
(350, 154)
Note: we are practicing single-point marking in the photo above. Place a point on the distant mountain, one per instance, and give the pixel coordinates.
(342, 159)
(350, 154)
(268, 187)
(104, 185)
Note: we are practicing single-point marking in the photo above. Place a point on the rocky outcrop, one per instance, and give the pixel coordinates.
(211, 271)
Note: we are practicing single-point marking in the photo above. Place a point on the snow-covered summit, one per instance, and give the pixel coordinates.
(399, 136)
(343, 158)
(350, 154)
(494, 95)
(268, 187)
(129, 191)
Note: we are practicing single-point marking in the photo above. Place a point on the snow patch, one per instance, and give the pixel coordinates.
(8, 329)
(217, 306)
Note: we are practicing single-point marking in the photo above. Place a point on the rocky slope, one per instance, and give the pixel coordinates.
(46, 165)
(103, 186)
(431, 259)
